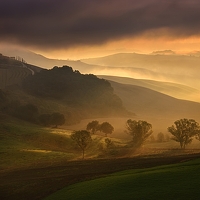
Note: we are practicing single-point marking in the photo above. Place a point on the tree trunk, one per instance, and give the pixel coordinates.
(83, 154)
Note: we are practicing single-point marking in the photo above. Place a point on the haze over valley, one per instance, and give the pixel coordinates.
(99, 99)
(160, 102)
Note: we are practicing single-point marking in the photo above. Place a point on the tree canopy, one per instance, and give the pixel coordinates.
(82, 139)
(139, 130)
(73, 87)
(57, 119)
(93, 126)
(106, 128)
(184, 130)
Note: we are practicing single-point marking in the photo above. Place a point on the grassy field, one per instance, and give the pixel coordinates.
(178, 181)
(25, 145)
(36, 162)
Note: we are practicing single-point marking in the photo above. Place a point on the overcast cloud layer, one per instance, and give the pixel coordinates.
(67, 23)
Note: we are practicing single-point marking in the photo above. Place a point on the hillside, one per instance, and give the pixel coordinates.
(81, 96)
(47, 63)
(58, 90)
(13, 72)
(172, 89)
(74, 89)
(182, 69)
(159, 109)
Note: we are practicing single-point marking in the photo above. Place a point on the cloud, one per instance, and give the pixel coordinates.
(69, 23)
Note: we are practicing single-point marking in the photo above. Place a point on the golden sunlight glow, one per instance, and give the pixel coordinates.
(136, 44)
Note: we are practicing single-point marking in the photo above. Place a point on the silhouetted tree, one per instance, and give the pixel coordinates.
(160, 137)
(198, 136)
(82, 139)
(139, 130)
(57, 119)
(106, 128)
(183, 131)
(93, 126)
(45, 119)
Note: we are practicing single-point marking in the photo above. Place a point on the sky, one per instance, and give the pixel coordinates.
(75, 29)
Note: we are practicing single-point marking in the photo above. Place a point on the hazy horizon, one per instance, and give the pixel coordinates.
(76, 30)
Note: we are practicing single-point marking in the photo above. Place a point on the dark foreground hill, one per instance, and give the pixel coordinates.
(35, 91)
(75, 89)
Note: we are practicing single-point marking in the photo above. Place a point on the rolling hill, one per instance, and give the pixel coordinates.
(150, 100)
(159, 109)
(13, 72)
(47, 63)
(32, 91)
(182, 69)
(172, 89)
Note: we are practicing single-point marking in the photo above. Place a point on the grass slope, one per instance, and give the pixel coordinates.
(178, 181)
(24, 145)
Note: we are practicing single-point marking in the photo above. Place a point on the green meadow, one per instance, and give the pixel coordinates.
(177, 181)
(37, 161)
(25, 145)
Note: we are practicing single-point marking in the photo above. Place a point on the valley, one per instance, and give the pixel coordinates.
(34, 154)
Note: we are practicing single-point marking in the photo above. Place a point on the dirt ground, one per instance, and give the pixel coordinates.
(37, 183)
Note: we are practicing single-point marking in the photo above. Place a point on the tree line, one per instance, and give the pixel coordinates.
(183, 131)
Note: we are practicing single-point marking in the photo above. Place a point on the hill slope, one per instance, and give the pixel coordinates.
(172, 89)
(159, 109)
(62, 90)
(171, 68)
(12, 71)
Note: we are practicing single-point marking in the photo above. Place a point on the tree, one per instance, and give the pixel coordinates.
(139, 130)
(106, 128)
(198, 136)
(82, 139)
(45, 119)
(183, 131)
(93, 127)
(160, 137)
(57, 119)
